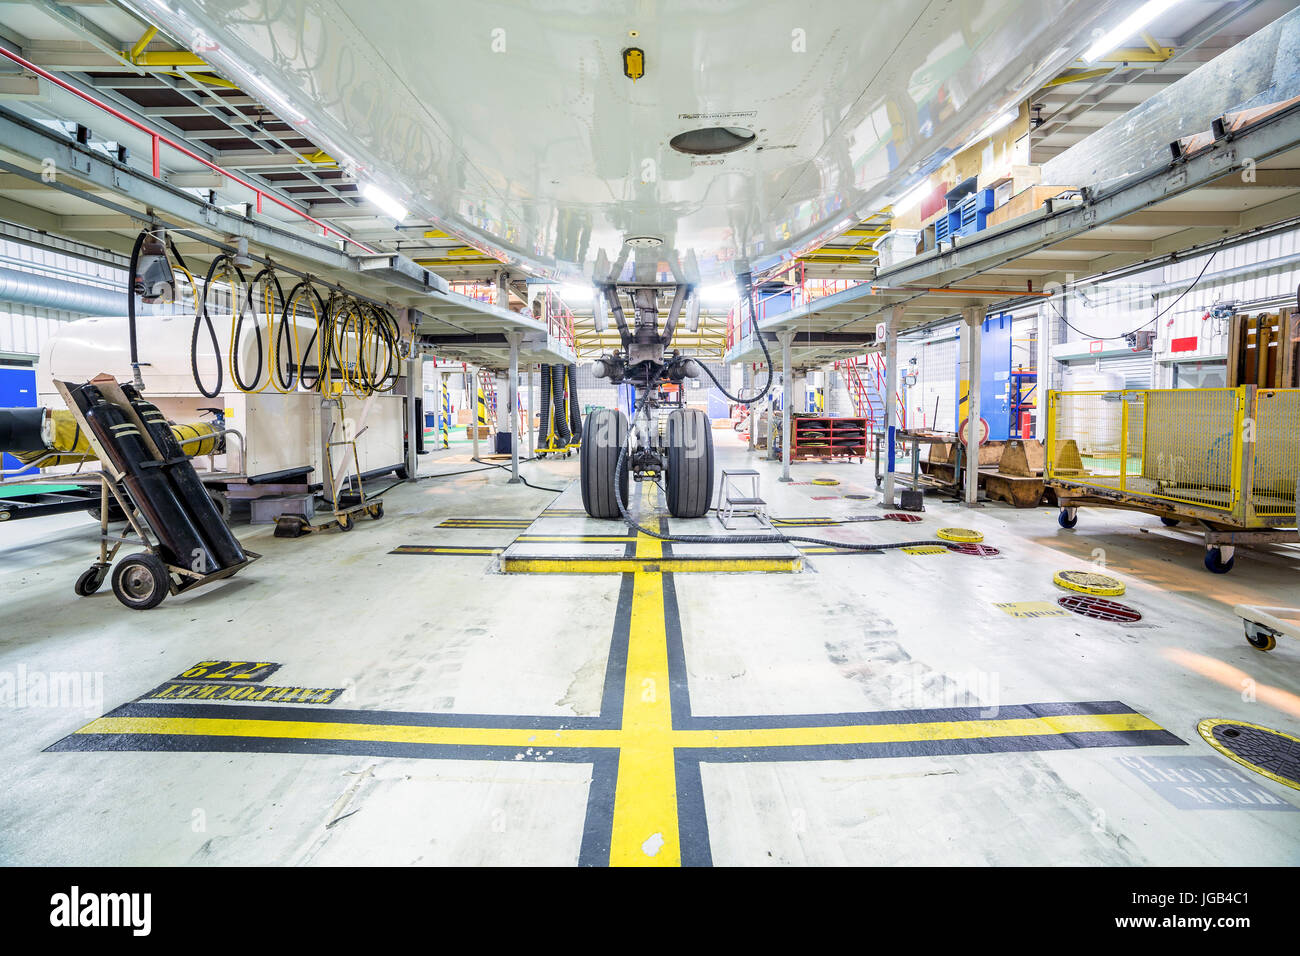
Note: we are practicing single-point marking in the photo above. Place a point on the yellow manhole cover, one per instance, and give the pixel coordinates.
(825, 481)
(966, 535)
(1089, 582)
(1270, 752)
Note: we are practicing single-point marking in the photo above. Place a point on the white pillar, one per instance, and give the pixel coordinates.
(973, 329)
(787, 397)
(512, 396)
(528, 419)
(891, 397)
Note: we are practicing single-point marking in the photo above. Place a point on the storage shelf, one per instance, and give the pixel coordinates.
(825, 437)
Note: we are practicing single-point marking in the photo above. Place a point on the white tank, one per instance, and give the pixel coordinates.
(83, 349)
(1095, 425)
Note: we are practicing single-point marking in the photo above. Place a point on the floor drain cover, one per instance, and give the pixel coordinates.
(1089, 582)
(859, 497)
(825, 481)
(967, 535)
(900, 516)
(979, 550)
(1269, 752)
(1100, 609)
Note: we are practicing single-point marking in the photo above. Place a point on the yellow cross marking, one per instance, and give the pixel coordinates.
(644, 830)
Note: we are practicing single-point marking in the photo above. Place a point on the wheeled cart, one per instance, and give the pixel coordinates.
(1225, 462)
(143, 580)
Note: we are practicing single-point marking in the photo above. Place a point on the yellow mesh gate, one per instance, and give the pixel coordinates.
(1229, 450)
(1277, 451)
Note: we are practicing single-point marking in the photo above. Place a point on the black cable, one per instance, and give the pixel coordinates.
(130, 307)
(558, 491)
(775, 537)
(1114, 338)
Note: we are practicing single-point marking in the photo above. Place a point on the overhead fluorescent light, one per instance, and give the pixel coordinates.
(722, 294)
(384, 201)
(1001, 123)
(573, 293)
(1132, 24)
(910, 199)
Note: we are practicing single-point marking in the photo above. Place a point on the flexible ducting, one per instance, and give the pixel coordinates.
(60, 295)
(575, 416)
(544, 410)
(560, 430)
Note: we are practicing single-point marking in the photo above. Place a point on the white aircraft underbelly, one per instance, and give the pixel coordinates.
(514, 127)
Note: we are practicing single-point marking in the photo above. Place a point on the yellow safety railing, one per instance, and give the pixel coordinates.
(1234, 451)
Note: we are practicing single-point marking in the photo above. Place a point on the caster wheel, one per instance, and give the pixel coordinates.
(1064, 520)
(222, 503)
(1261, 639)
(141, 581)
(90, 580)
(1214, 561)
(347, 522)
(376, 511)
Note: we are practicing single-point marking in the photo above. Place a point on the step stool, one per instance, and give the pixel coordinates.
(737, 502)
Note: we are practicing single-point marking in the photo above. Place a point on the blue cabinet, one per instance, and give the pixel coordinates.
(17, 390)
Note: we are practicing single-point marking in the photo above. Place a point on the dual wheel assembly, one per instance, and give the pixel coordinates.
(687, 455)
(140, 581)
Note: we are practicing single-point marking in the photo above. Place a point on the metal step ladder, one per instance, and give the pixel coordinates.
(737, 502)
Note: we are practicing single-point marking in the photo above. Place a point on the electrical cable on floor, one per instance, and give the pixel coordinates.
(775, 537)
(1156, 318)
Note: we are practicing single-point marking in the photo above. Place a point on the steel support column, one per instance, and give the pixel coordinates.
(512, 396)
(787, 395)
(973, 329)
(892, 325)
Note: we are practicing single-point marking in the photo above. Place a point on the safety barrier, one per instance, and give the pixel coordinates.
(1233, 452)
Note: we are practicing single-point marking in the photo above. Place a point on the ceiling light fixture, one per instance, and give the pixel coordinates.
(1130, 25)
(384, 201)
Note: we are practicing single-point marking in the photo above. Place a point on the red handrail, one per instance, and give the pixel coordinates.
(157, 138)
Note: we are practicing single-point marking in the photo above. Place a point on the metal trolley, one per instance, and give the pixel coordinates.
(143, 580)
(1222, 461)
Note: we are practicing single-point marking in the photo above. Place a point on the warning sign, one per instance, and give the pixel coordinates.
(1031, 609)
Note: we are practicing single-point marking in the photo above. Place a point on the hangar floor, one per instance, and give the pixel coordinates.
(869, 709)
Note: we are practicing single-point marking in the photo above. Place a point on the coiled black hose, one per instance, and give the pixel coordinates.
(240, 306)
(544, 418)
(561, 429)
(575, 416)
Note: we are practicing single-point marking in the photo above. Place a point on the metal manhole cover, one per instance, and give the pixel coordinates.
(963, 535)
(979, 550)
(1269, 752)
(1100, 609)
(859, 497)
(899, 516)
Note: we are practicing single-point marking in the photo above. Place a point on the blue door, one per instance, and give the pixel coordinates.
(17, 390)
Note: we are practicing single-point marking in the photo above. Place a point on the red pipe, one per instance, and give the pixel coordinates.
(156, 138)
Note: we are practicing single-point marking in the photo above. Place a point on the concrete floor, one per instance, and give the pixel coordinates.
(870, 709)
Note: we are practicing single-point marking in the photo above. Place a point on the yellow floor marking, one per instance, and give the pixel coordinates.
(326, 730)
(645, 798)
(644, 829)
(611, 565)
(582, 738)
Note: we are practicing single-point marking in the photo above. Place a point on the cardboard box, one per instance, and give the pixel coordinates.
(484, 431)
(1025, 202)
(464, 416)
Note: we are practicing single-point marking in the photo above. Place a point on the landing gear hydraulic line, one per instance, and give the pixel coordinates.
(614, 448)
